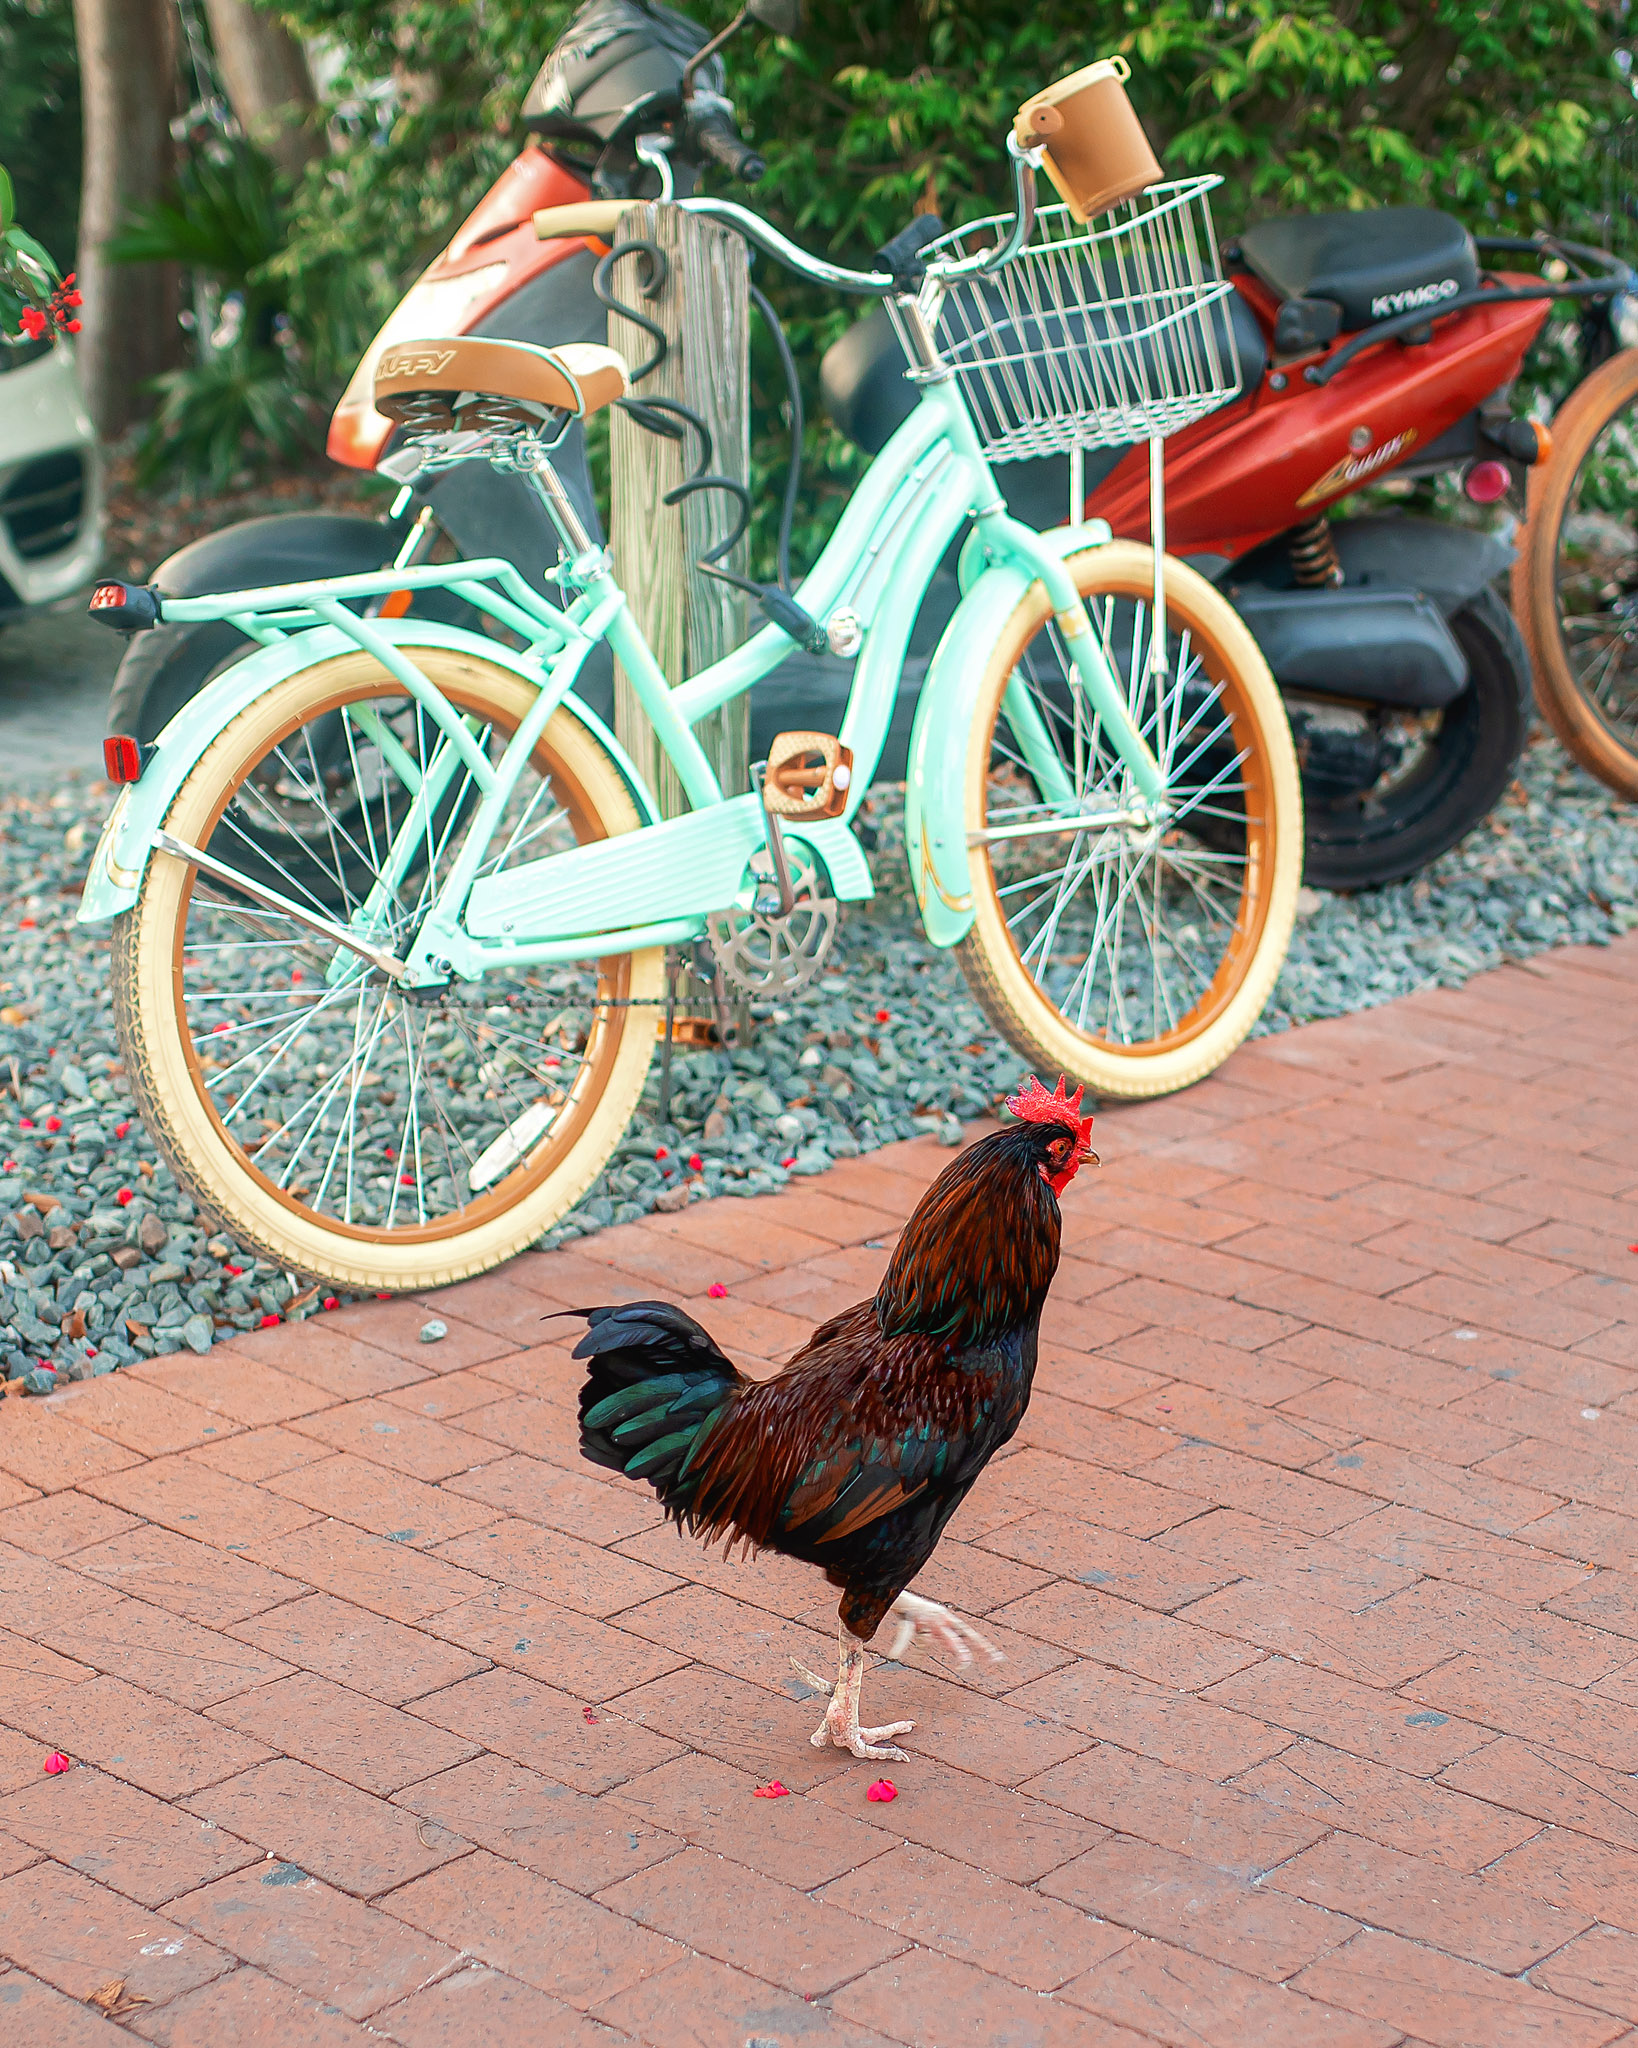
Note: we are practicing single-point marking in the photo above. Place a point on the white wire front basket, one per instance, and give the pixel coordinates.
(1096, 334)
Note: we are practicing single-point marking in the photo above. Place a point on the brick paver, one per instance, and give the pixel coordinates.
(1315, 1566)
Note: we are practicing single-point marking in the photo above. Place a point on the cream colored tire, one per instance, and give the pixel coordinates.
(158, 1046)
(1230, 1005)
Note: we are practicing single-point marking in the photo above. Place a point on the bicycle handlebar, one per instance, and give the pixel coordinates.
(712, 129)
(877, 284)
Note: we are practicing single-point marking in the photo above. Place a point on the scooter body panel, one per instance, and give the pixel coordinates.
(493, 254)
(1282, 453)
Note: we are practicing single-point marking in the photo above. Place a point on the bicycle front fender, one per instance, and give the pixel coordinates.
(127, 837)
(935, 812)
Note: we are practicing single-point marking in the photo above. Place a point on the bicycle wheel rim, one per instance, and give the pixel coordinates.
(1178, 1033)
(406, 1223)
(1595, 577)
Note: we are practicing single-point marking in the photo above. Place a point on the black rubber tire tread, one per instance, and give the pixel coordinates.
(1488, 720)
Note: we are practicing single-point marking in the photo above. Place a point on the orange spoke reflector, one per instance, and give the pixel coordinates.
(395, 604)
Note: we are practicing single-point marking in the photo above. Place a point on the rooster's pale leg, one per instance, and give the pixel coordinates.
(841, 1723)
(918, 1617)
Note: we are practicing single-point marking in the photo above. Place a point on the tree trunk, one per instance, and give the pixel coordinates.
(268, 83)
(128, 88)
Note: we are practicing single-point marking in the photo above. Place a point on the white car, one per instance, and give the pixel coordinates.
(50, 479)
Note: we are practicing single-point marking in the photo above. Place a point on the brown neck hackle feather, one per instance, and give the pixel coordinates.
(974, 1261)
(978, 1255)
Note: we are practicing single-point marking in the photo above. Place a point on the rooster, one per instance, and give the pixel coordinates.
(855, 1456)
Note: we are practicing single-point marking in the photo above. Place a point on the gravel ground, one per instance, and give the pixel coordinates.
(102, 1258)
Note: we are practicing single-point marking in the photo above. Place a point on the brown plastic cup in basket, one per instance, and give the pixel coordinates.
(1096, 151)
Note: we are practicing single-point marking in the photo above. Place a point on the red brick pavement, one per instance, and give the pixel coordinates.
(1315, 1565)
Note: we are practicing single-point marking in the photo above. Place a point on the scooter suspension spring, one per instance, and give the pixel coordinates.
(1314, 559)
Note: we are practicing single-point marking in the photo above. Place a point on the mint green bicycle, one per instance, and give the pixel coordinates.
(392, 906)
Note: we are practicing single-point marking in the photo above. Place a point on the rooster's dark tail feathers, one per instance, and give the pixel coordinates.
(655, 1384)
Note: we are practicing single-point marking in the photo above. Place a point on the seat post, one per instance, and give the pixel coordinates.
(553, 494)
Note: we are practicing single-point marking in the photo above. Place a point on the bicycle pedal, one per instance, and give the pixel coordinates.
(808, 776)
(690, 1031)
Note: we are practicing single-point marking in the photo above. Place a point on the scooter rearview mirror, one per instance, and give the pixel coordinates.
(783, 17)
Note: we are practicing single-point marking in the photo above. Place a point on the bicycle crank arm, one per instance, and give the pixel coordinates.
(1087, 821)
(270, 899)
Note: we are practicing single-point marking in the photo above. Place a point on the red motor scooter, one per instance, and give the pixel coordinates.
(1369, 344)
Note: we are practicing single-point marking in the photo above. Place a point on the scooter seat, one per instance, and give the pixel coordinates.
(457, 370)
(1373, 265)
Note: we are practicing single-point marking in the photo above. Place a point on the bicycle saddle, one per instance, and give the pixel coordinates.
(423, 384)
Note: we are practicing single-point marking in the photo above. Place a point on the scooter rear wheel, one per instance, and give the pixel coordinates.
(347, 1129)
(1132, 958)
(1575, 582)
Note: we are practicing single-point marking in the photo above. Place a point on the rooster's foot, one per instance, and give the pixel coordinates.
(841, 1723)
(918, 1617)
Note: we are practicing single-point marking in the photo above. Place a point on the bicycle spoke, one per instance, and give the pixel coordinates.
(325, 1087)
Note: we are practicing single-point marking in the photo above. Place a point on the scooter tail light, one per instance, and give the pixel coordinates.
(1485, 482)
(122, 758)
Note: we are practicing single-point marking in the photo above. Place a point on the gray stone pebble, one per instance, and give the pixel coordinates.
(103, 1260)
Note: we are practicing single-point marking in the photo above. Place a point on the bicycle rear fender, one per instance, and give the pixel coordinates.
(127, 837)
(935, 824)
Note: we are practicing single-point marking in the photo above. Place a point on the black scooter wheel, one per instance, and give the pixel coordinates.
(1450, 779)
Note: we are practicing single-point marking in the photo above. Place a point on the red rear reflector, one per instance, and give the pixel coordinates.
(1485, 482)
(395, 604)
(107, 597)
(121, 756)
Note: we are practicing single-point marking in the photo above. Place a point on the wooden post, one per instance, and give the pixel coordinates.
(689, 619)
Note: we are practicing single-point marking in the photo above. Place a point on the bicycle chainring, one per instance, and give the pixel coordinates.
(764, 952)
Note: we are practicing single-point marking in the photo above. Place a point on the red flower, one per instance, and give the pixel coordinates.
(71, 327)
(26, 924)
(330, 1301)
(54, 1123)
(121, 1129)
(695, 1163)
(881, 1018)
(268, 1322)
(25, 1123)
(716, 1290)
(661, 1152)
(125, 1197)
(56, 1764)
(789, 1162)
(233, 1272)
(587, 1715)
(32, 323)
(884, 1788)
(772, 1790)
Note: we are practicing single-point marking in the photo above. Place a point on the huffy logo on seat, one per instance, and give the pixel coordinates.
(416, 362)
(1406, 302)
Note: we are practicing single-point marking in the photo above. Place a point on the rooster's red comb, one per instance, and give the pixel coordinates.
(1033, 1105)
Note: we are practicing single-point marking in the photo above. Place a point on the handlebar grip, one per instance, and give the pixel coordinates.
(719, 139)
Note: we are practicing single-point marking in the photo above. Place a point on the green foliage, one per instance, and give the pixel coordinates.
(40, 118)
(238, 409)
(28, 278)
(1497, 109)
(245, 401)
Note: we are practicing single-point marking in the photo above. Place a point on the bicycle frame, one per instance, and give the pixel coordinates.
(654, 886)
